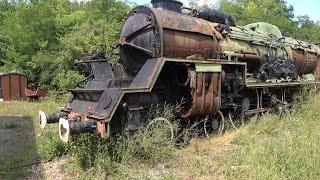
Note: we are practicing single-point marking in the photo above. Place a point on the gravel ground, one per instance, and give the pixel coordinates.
(49, 170)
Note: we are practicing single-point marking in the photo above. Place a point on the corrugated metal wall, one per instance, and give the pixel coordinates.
(13, 87)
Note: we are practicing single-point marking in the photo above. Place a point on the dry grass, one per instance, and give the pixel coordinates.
(268, 148)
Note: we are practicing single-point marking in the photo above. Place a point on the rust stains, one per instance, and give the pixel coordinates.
(177, 21)
(183, 44)
(306, 62)
(205, 93)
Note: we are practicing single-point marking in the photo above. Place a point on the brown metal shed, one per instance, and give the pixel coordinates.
(12, 86)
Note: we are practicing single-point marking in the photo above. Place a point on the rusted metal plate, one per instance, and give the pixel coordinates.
(35, 94)
(152, 33)
(101, 127)
(23, 86)
(205, 95)
(183, 44)
(207, 61)
(102, 108)
(15, 87)
(184, 35)
(318, 67)
(148, 74)
(5, 88)
(305, 62)
(176, 21)
(108, 103)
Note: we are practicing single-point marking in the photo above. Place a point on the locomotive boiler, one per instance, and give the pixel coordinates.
(171, 54)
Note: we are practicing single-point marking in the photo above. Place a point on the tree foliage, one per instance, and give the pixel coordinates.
(276, 12)
(42, 38)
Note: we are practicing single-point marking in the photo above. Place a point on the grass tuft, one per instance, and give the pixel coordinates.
(11, 125)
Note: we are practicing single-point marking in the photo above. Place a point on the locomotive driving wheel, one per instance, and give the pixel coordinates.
(214, 124)
(159, 128)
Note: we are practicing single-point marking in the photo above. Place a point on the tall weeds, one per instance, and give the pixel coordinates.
(145, 147)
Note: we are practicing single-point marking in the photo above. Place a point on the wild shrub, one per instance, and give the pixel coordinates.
(107, 155)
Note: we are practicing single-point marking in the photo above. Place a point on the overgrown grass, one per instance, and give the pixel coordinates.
(280, 148)
(271, 147)
(86, 153)
(116, 156)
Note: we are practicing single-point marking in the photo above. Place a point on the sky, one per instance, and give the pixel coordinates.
(301, 7)
(306, 7)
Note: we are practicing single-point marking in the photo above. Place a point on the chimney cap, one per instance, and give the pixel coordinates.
(176, 1)
(169, 5)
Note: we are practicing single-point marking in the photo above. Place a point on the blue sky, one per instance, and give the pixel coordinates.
(301, 7)
(309, 7)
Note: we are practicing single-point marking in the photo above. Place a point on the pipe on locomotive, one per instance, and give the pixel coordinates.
(49, 119)
(69, 128)
(66, 128)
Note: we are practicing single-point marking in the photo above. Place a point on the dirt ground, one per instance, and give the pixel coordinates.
(49, 170)
(19, 158)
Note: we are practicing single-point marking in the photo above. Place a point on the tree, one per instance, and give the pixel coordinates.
(276, 12)
(42, 38)
(307, 29)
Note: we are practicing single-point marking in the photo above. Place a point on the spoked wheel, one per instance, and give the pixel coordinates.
(283, 109)
(214, 124)
(159, 128)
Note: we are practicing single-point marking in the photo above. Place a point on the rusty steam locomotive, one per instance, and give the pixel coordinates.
(169, 53)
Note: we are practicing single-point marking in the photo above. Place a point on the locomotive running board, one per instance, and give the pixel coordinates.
(111, 99)
(263, 84)
(146, 77)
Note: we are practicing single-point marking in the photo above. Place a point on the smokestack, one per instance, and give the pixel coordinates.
(169, 5)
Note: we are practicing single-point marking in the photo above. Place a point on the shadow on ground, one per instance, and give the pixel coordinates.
(18, 147)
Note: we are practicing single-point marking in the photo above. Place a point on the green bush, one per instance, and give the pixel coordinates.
(68, 80)
(43, 38)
